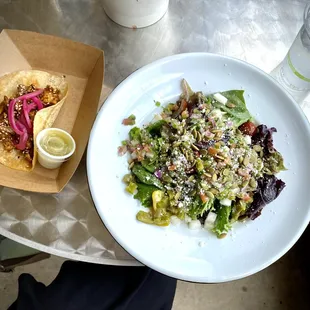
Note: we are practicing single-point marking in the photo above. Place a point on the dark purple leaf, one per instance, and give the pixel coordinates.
(268, 189)
(263, 137)
(193, 103)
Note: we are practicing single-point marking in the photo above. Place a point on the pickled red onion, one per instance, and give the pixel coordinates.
(12, 117)
(24, 125)
(22, 120)
(26, 114)
(23, 137)
(38, 102)
(31, 106)
(30, 95)
(12, 103)
(22, 141)
(20, 126)
(158, 174)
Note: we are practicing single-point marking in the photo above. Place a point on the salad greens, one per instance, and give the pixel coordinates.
(145, 176)
(222, 223)
(236, 108)
(203, 159)
(144, 194)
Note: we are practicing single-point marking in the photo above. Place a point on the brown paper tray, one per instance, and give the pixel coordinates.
(83, 67)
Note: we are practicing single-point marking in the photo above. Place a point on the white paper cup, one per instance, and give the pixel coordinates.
(51, 161)
(135, 14)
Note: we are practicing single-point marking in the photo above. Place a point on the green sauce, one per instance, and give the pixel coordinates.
(56, 143)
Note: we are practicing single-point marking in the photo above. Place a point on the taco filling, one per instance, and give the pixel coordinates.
(29, 102)
(17, 116)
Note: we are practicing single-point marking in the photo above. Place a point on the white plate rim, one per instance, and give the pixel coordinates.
(114, 234)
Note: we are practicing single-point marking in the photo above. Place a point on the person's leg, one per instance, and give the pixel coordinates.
(28, 291)
(97, 287)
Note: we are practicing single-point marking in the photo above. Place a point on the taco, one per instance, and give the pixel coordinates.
(29, 102)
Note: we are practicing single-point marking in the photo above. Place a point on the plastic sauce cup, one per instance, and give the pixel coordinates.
(48, 160)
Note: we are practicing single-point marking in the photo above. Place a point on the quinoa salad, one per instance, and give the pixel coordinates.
(203, 160)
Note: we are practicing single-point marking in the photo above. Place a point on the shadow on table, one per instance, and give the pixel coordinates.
(13, 254)
(301, 253)
(293, 274)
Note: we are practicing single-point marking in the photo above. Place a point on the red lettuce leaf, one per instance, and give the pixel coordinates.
(268, 189)
(263, 137)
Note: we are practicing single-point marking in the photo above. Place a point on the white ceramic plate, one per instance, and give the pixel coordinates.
(177, 251)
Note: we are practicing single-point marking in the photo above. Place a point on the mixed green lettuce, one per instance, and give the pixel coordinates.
(196, 161)
(237, 109)
(144, 194)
